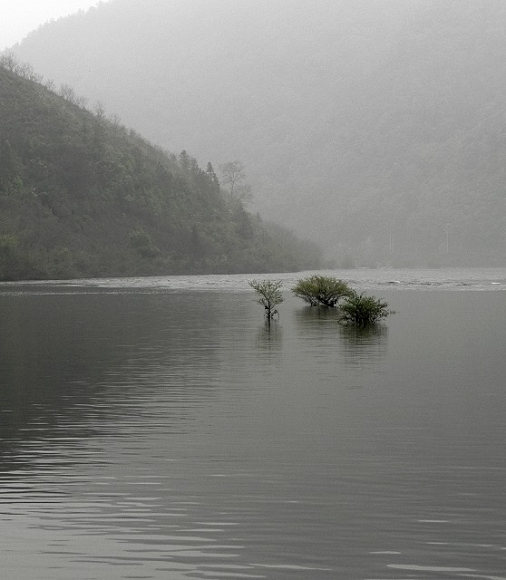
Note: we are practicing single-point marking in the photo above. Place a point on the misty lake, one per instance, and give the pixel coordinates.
(157, 428)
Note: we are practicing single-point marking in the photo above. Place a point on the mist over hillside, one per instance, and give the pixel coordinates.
(375, 127)
(83, 196)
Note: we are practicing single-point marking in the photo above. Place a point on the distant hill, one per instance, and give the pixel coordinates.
(82, 196)
(375, 127)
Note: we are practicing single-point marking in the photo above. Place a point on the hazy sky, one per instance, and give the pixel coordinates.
(19, 17)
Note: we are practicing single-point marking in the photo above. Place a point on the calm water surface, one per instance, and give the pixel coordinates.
(157, 429)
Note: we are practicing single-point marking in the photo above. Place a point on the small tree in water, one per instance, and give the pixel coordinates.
(321, 290)
(269, 292)
(362, 310)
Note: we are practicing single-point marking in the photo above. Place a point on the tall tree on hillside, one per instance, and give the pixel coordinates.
(184, 160)
(213, 178)
(210, 172)
(233, 177)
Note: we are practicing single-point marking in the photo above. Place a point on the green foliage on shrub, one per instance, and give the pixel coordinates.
(362, 310)
(322, 290)
(269, 292)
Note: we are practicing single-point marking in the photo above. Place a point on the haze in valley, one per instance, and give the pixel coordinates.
(375, 128)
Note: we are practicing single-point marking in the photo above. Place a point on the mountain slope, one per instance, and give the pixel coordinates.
(377, 128)
(81, 195)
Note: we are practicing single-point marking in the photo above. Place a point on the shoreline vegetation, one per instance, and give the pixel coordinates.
(82, 196)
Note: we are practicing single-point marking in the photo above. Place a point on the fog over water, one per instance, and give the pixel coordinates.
(158, 428)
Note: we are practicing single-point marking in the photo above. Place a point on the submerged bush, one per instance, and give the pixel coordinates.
(322, 290)
(269, 292)
(362, 310)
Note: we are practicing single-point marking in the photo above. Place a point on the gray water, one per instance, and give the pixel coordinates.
(157, 428)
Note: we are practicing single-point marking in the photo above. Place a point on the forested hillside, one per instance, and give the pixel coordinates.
(81, 196)
(375, 127)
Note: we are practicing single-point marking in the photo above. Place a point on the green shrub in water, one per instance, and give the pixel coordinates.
(362, 310)
(322, 290)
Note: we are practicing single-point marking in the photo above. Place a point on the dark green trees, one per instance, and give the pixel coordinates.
(83, 196)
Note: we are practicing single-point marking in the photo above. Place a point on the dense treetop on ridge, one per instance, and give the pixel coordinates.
(376, 127)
